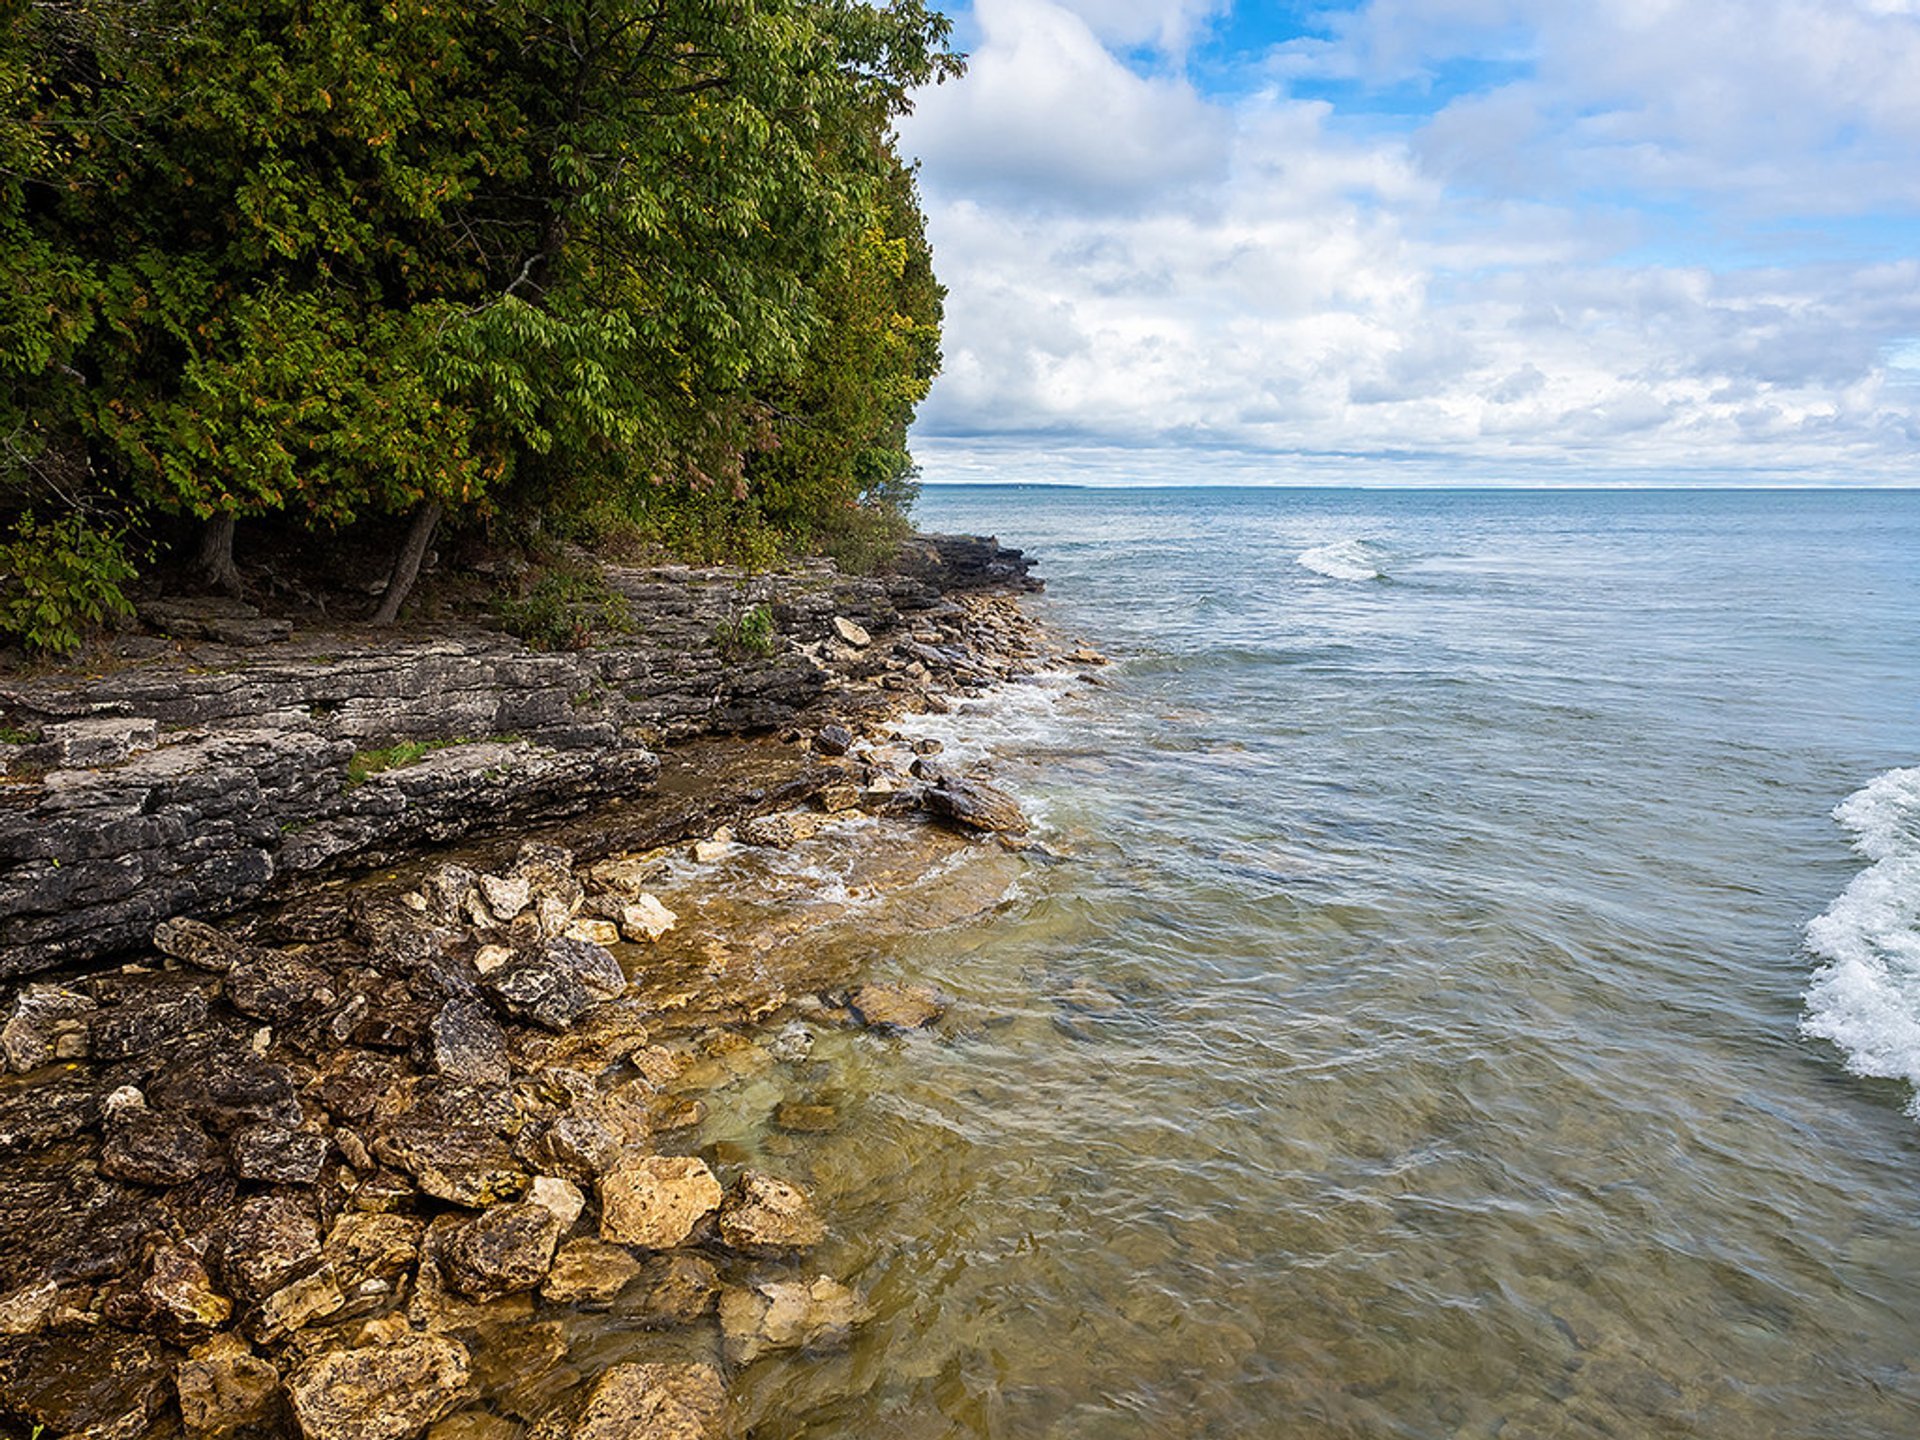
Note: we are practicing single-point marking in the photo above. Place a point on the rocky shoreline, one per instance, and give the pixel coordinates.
(361, 1157)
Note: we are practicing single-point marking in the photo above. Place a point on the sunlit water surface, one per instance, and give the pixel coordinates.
(1408, 1040)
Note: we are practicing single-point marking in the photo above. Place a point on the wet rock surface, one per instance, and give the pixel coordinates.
(334, 1167)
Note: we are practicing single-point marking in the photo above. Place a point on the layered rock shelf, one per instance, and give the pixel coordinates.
(217, 773)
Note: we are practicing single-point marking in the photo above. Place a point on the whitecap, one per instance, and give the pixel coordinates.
(1341, 560)
(1865, 996)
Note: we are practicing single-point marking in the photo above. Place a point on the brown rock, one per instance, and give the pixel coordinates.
(153, 1149)
(277, 1155)
(224, 1386)
(363, 1246)
(474, 1425)
(764, 1215)
(896, 1007)
(180, 1293)
(976, 805)
(502, 1250)
(589, 1273)
(273, 1238)
(660, 1402)
(296, 1305)
(386, 1392)
(657, 1201)
(820, 1314)
(669, 1291)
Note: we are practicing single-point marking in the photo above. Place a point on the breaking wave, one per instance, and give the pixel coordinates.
(1342, 560)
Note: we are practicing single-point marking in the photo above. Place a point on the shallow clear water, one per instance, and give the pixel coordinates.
(1408, 1042)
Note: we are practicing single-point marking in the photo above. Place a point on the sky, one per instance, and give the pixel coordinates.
(1427, 241)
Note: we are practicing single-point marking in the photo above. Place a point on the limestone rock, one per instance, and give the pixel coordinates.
(387, 1392)
(852, 632)
(764, 1215)
(593, 931)
(658, 1401)
(154, 1149)
(657, 1201)
(589, 1273)
(896, 1007)
(180, 1295)
(272, 1239)
(277, 1155)
(468, 1043)
(297, 1304)
(669, 1291)
(145, 1024)
(560, 1197)
(833, 740)
(506, 897)
(26, 1311)
(645, 918)
(976, 805)
(820, 1314)
(578, 1147)
(474, 1425)
(224, 1386)
(502, 1250)
(365, 1246)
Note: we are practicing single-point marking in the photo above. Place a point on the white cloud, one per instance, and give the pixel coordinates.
(1136, 267)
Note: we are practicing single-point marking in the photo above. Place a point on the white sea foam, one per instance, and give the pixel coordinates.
(1342, 560)
(1865, 997)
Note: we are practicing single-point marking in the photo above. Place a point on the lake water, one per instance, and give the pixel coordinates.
(1417, 1033)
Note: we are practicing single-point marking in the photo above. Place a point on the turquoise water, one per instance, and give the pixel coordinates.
(1409, 1040)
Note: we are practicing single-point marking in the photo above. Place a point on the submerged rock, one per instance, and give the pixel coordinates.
(896, 1007)
(669, 1291)
(657, 1201)
(820, 1314)
(764, 1215)
(383, 1392)
(589, 1273)
(660, 1402)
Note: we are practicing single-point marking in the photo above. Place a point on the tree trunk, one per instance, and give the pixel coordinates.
(406, 565)
(214, 565)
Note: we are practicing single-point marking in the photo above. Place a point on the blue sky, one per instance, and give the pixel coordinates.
(1434, 240)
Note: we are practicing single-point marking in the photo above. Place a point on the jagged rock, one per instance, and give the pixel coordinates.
(502, 1250)
(468, 1043)
(39, 1017)
(225, 1090)
(593, 963)
(589, 1273)
(506, 896)
(854, 633)
(833, 740)
(782, 830)
(367, 1245)
(448, 1136)
(147, 1023)
(179, 1293)
(895, 1007)
(27, 1310)
(837, 798)
(532, 989)
(645, 919)
(657, 1201)
(669, 1291)
(789, 1315)
(578, 1147)
(154, 1149)
(273, 986)
(272, 1239)
(593, 931)
(297, 1304)
(659, 1401)
(764, 1215)
(223, 1386)
(384, 1392)
(53, 1108)
(625, 875)
(562, 1197)
(976, 805)
(278, 1155)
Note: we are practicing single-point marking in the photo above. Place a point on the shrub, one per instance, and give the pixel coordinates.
(59, 580)
(750, 632)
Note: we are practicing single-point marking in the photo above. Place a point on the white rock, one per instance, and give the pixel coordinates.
(505, 898)
(490, 958)
(561, 1198)
(646, 919)
(854, 634)
(127, 1097)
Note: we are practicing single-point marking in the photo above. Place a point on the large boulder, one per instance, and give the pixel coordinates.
(820, 1314)
(764, 1215)
(976, 805)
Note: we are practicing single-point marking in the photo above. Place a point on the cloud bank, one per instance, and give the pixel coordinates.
(1450, 240)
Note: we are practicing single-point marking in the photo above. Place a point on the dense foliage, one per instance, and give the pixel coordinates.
(649, 263)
